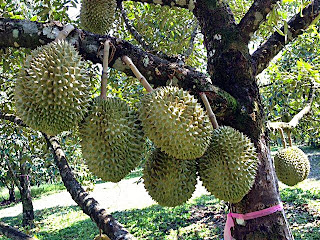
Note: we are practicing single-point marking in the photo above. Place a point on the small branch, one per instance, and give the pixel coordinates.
(256, 15)
(296, 26)
(132, 30)
(12, 118)
(189, 4)
(13, 175)
(295, 120)
(193, 35)
(13, 233)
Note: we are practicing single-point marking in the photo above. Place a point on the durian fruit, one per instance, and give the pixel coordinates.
(97, 16)
(112, 139)
(229, 166)
(169, 181)
(292, 165)
(176, 123)
(102, 237)
(52, 88)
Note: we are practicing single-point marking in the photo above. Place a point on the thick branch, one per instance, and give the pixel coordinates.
(254, 17)
(158, 71)
(88, 204)
(296, 119)
(276, 42)
(13, 233)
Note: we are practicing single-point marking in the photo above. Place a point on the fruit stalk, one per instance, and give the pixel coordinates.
(104, 77)
(137, 73)
(283, 139)
(211, 115)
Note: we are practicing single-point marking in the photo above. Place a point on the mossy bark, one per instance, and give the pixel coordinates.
(231, 69)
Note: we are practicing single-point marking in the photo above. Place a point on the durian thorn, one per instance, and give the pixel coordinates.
(211, 115)
(64, 33)
(104, 77)
(283, 139)
(136, 72)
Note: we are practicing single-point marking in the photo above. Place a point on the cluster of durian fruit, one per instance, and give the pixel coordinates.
(53, 95)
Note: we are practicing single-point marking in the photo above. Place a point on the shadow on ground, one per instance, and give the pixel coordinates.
(203, 219)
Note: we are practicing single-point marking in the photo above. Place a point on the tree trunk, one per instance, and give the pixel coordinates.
(231, 68)
(26, 199)
(12, 194)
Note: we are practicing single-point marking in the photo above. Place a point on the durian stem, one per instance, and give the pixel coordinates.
(211, 115)
(64, 33)
(100, 232)
(136, 72)
(289, 137)
(104, 77)
(283, 139)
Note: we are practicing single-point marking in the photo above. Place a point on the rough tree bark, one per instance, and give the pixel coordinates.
(13, 233)
(12, 194)
(26, 199)
(232, 70)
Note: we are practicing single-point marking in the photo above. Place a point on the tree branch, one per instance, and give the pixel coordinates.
(188, 4)
(256, 15)
(158, 71)
(13, 233)
(189, 51)
(296, 119)
(276, 42)
(88, 204)
(132, 30)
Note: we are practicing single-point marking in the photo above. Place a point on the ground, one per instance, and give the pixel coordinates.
(203, 217)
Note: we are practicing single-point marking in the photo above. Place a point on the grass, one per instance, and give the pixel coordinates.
(36, 192)
(202, 218)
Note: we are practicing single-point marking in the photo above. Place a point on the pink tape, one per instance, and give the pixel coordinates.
(247, 216)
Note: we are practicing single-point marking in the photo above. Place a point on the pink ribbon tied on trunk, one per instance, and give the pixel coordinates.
(247, 216)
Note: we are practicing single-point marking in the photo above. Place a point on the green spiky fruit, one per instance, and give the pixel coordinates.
(292, 165)
(112, 139)
(102, 237)
(176, 123)
(52, 89)
(168, 180)
(97, 16)
(229, 166)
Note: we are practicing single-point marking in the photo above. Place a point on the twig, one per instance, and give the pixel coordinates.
(193, 35)
(132, 30)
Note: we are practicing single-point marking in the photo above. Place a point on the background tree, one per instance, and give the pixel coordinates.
(228, 29)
